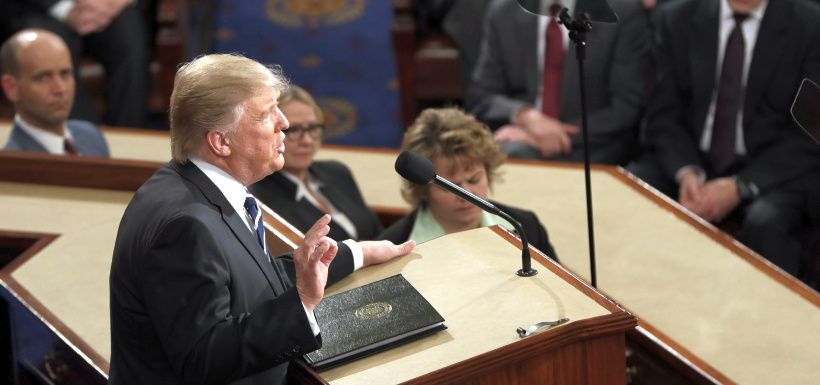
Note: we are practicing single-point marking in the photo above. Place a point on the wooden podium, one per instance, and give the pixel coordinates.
(470, 279)
(62, 213)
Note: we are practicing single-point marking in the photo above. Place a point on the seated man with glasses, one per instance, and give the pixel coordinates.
(305, 189)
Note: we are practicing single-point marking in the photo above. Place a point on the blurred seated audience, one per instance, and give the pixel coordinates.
(463, 151)
(526, 86)
(461, 21)
(719, 133)
(38, 79)
(117, 33)
(306, 189)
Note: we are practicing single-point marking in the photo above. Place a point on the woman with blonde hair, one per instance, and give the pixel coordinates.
(464, 152)
(306, 189)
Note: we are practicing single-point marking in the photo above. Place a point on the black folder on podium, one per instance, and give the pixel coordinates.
(371, 318)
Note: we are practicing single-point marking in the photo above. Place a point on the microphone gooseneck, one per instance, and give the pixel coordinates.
(418, 169)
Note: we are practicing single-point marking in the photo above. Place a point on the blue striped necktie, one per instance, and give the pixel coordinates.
(256, 217)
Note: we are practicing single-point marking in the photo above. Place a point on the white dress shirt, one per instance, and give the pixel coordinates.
(543, 22)
(749, 28)
(53, 143)
(302, 192)
(235, 192)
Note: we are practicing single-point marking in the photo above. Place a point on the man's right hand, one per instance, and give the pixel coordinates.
(689, 194)
(312, 259)
(91, 16)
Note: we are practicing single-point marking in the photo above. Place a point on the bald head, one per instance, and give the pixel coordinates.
(38, 78)
(28, 40)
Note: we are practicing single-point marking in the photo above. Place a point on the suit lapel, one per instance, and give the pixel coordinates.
(79, 140)
(340, 201)
(232, 219)
(528, 25)
(703, 59)
(83, 140)
(24, 141)
(772, 39)
(329, 190)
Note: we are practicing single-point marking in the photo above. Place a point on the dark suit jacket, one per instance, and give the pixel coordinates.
(507, 77)
(87, 138)
(786, 51)
(536, 233)
(279, 193)
(194, 298)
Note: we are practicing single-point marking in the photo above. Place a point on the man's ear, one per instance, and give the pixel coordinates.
(218, 143)
(10, 88)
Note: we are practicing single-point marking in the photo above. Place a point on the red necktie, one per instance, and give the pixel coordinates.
(553, 66)
(69, 147)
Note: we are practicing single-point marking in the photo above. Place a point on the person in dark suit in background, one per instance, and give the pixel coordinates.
(306, 189)
(463, 151)
(461, 21)
(195, 296)
(536, 112)
(720, 136)
(117, 33)
(37, 77)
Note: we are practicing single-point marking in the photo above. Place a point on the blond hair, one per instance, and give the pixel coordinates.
(450, 133)
(209, 94)
(295, 93)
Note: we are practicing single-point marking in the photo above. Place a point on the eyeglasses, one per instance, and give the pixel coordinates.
(297, 131)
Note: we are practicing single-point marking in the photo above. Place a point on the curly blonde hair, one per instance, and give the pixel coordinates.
(452, 134)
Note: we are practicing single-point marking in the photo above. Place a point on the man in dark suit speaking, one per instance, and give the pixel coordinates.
(195, 296)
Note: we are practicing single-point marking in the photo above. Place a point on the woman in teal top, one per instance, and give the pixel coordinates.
(464, 152)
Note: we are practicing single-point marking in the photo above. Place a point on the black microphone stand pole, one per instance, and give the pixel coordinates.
(577, 33)
(526, 264)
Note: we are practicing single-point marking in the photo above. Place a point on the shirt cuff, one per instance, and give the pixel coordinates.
(61, 9)
(356, 250)
(696, 169)
(314, 326)
(514, 113)
(358, 261)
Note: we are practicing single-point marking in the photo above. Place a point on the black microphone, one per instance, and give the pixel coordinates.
(419, 170)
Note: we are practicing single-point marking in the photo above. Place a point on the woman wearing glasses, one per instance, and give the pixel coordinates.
(305, 189)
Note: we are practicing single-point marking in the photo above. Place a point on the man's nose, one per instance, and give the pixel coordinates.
(59, 84)
(284, 124)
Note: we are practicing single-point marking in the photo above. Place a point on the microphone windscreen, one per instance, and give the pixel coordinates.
(415, 168)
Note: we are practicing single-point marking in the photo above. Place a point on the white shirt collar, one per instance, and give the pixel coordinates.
(233, 190)
(315, 185)
(52, 142)
(726, 12)
(301, 189)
